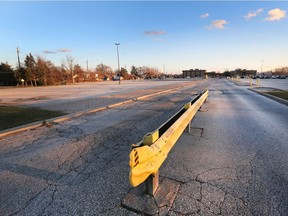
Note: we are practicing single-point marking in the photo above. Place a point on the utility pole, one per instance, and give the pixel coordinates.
(17, 50)
(262, 66)
(117, 44)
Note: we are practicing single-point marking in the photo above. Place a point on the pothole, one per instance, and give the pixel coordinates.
(197, 132)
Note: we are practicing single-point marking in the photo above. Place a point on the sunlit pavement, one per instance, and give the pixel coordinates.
(234, 161)
(81, 96)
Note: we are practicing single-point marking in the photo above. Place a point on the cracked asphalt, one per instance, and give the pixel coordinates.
(234, 161)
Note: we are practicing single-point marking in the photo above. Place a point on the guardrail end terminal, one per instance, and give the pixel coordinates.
(136, 145)
(146, 160)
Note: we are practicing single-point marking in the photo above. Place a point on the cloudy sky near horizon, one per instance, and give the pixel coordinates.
(173, 35)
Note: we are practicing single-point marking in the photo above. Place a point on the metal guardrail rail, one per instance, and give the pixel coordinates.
(147, 156)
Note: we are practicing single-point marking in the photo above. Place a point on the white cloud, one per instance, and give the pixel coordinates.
(218, 24)
(253, 14)
(49, 52)
(57, 51)
(204, 16)
(154, 33)
(64, 50)
(276, 14)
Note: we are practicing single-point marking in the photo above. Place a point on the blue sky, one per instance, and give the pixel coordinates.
(209, 35)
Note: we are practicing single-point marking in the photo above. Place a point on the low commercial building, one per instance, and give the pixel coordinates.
(243, 73)
(193, 73)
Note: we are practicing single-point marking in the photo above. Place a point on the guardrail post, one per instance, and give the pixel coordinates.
(186, 107)
(188, 128)
(152, 183)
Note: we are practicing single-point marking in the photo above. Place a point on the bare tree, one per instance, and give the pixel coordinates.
(68, 64)
(79, 73)
(148, 72)
(104, 71)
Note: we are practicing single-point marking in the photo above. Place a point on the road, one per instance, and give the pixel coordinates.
(275, 83)
(234, 162)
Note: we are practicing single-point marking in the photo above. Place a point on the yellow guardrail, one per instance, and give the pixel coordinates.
(147, 156)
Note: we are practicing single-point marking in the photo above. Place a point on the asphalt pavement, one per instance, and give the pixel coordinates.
(234, 161)
(268, 83)
(84, 96)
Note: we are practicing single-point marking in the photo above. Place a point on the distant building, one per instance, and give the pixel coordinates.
(243, 72)
(212, 74)
(193, 73)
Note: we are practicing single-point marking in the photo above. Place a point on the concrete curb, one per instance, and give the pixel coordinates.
(280, 100)
(37, 124)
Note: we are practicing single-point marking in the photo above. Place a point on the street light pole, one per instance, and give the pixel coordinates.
(87, 65)
(262, 66)
(117, 44)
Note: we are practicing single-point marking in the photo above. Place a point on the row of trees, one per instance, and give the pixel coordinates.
(38, 71)
(281, 71)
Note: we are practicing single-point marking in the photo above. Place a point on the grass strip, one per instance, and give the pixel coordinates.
(280, 94)
(15, 116)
